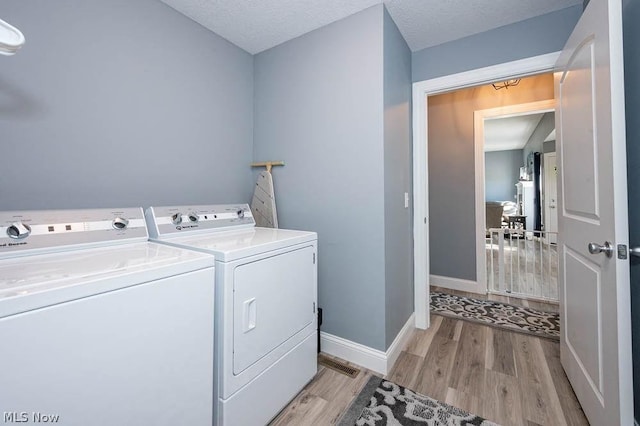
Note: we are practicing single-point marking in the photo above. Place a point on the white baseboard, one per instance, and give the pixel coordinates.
(356, 353)
(456, 284)
(364, 356)
(401, 340)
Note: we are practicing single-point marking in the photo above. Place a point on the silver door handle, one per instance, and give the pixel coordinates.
(635, 251)
(606, 248)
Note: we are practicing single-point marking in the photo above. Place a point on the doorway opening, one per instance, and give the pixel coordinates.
(423, 210)
(595, 342)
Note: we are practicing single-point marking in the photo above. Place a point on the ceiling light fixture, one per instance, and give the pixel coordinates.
(506, 84)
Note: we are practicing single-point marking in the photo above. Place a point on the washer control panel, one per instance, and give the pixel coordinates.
(175, 220)
(41, 230)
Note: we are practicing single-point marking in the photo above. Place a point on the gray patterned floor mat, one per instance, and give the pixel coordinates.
(497, 314)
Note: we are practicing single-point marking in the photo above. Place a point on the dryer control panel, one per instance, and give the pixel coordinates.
(33, 231)
(178, 220)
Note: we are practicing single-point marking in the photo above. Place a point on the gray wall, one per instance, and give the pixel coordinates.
(536, 36)
(501, 173)
(540, 133)
(451, 169)
(549, 146)
(319, 107)
(121, 103)
(397, 180)
(631, 33)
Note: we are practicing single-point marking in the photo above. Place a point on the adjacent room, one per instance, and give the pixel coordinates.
(526, 263)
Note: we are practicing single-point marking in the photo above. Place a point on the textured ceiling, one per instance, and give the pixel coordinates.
(259, 25)
(502, 134)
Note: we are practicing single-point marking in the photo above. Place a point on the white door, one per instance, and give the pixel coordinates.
(595, 344)
(550, 196)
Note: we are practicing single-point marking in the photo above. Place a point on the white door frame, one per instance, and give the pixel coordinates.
(421, 90)
(547, 209)
(478, 137)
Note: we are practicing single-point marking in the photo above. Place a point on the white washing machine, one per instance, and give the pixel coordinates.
(266, 289)
(99, 326)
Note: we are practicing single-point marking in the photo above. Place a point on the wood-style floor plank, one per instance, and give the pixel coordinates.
(433, 379)
(506, 377)
(324, 399)
(570, 406)
(304, 407)
(420, 340)
(457, 331)
(447, 329)
(468, 402)
(406, 370)
(540, 399)
(469, 364)
(502, 399)
(500, 355)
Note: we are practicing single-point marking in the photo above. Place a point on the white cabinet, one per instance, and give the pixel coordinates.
(524, 199)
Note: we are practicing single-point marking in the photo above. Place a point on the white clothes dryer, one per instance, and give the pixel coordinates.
(266, 290)
(99, 326)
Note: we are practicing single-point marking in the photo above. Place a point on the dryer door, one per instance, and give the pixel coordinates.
(272, 301)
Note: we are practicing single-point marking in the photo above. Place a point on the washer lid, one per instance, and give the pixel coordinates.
(233, 245)
(35, 281)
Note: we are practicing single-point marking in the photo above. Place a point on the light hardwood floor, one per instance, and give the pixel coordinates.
(506, 377)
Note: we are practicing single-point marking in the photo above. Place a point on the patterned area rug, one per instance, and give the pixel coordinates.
(496, 314)
(382, 402)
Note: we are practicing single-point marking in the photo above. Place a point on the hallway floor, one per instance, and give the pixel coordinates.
(506, 377)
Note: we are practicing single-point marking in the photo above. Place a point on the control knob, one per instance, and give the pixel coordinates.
(176, 219)
(240, 213)
(120, 223)
(18, 230)
(193, 217)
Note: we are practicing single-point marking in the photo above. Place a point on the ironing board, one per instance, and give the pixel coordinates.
(263, 203)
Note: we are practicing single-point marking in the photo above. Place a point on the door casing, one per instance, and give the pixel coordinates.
(421, 91)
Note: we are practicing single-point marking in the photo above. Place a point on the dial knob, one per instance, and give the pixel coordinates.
(176, 219)
(18, 230)
(193, 217)
(120, 223)
(241, 213)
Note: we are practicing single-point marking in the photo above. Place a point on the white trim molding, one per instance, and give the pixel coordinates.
(516, 69)
(401, 340)
(358, 354)
(420, 211)
(364, 356)
(458, 284)
(421, 91)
